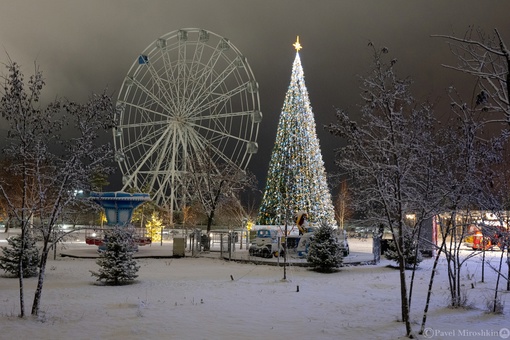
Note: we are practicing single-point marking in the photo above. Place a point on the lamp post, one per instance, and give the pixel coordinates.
(285, 248)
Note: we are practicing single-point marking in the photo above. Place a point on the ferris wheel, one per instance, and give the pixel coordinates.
(189, 91)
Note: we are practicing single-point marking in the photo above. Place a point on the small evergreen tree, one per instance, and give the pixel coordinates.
(116, 262)
(325, 252)
(411, 255)
(10, 260)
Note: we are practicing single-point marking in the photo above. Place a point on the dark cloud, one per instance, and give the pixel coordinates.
(85, 46)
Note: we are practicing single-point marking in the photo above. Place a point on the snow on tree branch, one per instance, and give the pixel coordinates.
(487, 58)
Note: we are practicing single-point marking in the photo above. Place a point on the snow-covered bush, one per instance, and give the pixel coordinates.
(411, 256)
(495, 306)
(325, 252)
(9, 261)
(116, 262)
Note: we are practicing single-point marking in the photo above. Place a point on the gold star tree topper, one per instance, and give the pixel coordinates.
(297, 45)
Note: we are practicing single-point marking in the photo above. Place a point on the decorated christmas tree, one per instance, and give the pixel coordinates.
(296, 179)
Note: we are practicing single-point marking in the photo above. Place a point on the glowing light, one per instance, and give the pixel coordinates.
(297, 45)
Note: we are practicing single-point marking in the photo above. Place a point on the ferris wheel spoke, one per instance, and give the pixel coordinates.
(151, 95)
(195, 85)
(207, 89)
(172, 176)
(209, 143)
(209, 71)
(219, 99)
(161, 86)
(142, 124)
(217, 127)
(142, 144)
(147, 110)
(221, 155)
(148, 153)
(222, 108)
(169, 71)
(163, 152)
(211, 64)
(200, 144)
(237, 114)
(145, 138)
(181, 71)
(172, 70)
(194, 80)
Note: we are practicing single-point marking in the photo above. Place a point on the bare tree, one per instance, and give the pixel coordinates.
(472, 145)
(475, 160)
(487, 58)
(343, 211)
(212, 182)
(502, 190)
(9, 181)
(4, 217)
(495, 230)
(191, 215)
(385, 155)
(50, 164)
(231, 212)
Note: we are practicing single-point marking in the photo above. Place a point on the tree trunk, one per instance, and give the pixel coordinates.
(398, 239)
(508, 265)
(211, 214)
(495, 301)
(431, 283)
(7, 225)
(403, 288)
(210, 220)
(483, 261)
(207, 245)
(459, 266)
(411, 284)
(42, 271)
(404, 300)
(21, 282)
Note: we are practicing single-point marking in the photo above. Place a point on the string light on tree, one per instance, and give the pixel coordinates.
(296, 180)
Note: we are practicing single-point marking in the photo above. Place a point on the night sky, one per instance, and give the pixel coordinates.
(85, 46)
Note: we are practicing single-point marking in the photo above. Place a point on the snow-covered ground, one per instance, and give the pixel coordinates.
(196, 298)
